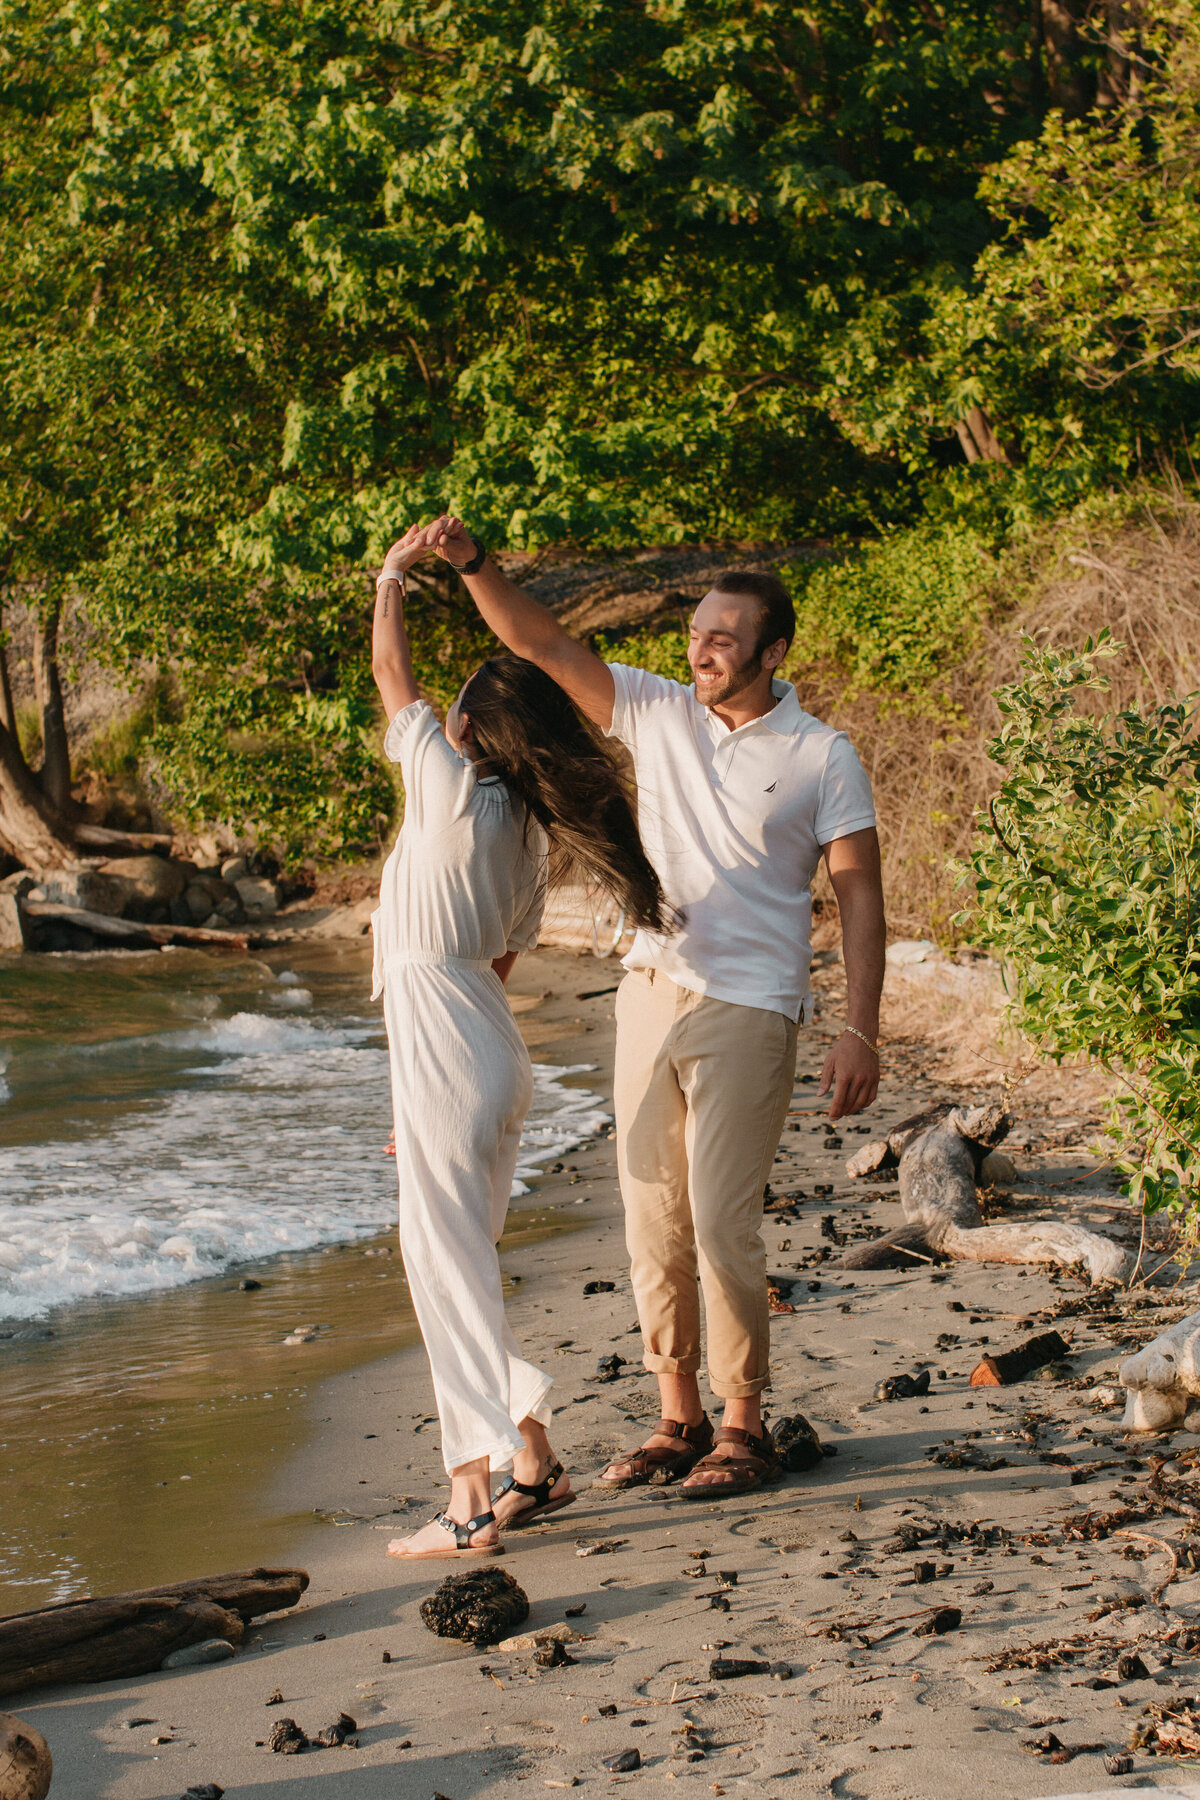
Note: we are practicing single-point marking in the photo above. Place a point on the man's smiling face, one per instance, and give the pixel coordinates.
(723, 646)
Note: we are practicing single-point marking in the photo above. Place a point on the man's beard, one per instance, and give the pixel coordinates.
(729, 686)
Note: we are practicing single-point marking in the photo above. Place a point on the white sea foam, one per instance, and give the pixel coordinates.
(268, 1138)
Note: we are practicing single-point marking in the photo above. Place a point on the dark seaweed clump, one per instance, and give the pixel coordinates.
(480, 1606)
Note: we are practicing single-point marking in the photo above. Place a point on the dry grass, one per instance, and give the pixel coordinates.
(1142, 582)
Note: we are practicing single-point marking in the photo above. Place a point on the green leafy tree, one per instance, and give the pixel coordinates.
(283, 279)
(1087, 877)
(1072, 347)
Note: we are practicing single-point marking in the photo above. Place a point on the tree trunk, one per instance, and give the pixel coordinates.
(8, 711)
(31, 829)
(978, 439)
(1064, 63)
(55, 777)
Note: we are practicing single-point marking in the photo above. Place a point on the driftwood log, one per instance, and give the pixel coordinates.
(122, 843)
(25, 1761)
(1162, 1381)
(130, 931)
(131, 1634)
(940, 1154)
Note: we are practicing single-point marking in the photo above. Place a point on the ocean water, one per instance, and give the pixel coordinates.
(166, 1117)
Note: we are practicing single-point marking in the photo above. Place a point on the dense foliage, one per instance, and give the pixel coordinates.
(1087, 873)
(283, 278)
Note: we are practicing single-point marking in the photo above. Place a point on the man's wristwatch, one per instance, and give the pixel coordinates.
(476, 563)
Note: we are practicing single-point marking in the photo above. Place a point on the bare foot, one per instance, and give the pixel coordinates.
(436, 1537)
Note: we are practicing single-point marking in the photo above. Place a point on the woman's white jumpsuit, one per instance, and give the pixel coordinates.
(461, 887)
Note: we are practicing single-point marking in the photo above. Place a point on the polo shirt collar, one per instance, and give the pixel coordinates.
(784, 717)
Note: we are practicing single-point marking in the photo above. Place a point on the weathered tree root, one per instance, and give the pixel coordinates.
(939, 1156)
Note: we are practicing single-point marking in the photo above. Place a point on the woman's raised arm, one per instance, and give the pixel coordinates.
(391, 658)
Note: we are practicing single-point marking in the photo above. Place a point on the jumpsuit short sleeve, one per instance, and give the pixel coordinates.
(437, 781)
(524, 933)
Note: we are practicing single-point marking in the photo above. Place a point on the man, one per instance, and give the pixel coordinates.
(740, 792)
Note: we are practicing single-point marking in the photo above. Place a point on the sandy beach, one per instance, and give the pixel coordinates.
(813, 1578)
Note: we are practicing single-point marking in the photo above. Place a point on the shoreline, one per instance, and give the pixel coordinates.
(195, 1384)
(824, 1585)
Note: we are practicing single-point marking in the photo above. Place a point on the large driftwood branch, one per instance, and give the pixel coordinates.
(130, 931)
(122, 843)
(1162, 1381)
(130, 1634)
(940, 1156)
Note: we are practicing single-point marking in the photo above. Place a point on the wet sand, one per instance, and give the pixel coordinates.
(825, 1582)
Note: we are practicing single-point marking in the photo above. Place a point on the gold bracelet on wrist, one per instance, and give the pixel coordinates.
(855, 1032)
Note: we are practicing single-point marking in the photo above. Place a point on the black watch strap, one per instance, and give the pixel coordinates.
(477, 561)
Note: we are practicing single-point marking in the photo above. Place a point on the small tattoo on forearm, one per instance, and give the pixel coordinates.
(385, 603)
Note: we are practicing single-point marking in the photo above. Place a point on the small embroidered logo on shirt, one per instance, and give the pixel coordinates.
(772, 787)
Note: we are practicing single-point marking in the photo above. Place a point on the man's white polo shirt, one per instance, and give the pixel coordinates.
(734, 822)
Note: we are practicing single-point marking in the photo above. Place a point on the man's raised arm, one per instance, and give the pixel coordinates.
(526, 628)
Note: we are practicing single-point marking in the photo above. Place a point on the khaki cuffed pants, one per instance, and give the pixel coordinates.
(702, 1090)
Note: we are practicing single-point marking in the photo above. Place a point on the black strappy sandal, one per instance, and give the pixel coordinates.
(539, 1493)
(462, 1541)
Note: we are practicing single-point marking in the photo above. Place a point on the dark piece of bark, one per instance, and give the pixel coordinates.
(130, 1634)
(1014, 1365)
(130, 932)
(943, 1619)
(26, 1765)
(285, 1738)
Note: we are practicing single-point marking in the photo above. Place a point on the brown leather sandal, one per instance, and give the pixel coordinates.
(655, 1464)
(739, 1474)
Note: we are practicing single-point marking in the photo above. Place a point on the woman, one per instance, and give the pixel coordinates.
(516, 788)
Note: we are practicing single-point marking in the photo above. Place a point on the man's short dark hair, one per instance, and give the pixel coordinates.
(777, 618)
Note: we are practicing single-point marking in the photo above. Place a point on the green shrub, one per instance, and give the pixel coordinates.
(662, 652)
(897, 618)
(1087, 879)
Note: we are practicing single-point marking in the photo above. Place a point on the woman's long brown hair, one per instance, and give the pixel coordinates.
(529, 734)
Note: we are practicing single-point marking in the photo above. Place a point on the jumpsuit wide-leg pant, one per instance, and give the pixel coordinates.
(461, 1087)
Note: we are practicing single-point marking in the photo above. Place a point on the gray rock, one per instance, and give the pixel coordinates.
(91, 890)
(148, 880)
(234, 869)
(199, 902)
(195, 1656)
(260, 898)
